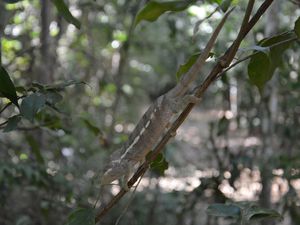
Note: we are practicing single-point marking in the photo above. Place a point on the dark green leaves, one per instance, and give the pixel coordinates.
(154, 9)
(297, 27)
(31, 105)
(259, 70)
(82, 217)
(12, 123)
(263, 64)
(184, 68)
(64, 11)
(7, 88)
(224, 210)
(159, 165)
(255, 213)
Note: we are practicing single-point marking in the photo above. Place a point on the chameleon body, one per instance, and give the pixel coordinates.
(156, 119)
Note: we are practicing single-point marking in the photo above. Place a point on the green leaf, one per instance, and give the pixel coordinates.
(95, 130)
(225, 5)
(153, 10)
(35, 148)
(64, 11)
(184, 68)
(159, 165)
(12, 123)
(82, 217)
(297, 27)
(259, 70)
(31, 105)
(255, 213)
(53, 97)
(262, 65)
(7, 88)
(224, 210)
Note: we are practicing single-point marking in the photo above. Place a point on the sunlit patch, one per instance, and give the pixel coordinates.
(278, 172)
(227, 174)
(23, 156)
(90, 174)
(119, 128)
(67, 152)
(115, 44)
(115, 189)
(252, 141)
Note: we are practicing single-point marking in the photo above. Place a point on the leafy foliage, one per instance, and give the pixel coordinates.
(64, 11)
(31, 105)
(159, 165)
(297, 27)
(12, 123)
(153, 10)
(7, 88)
(263, 64)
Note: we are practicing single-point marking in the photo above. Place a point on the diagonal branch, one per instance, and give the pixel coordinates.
(219, 67)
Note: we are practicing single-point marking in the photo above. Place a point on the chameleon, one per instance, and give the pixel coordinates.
(156, 119)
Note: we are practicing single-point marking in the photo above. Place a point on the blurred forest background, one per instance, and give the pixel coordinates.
(97, 81)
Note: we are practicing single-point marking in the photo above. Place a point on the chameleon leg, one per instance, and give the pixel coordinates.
(123, 182)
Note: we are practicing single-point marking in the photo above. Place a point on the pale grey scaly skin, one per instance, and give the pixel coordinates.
(140, 142)
(154, 122)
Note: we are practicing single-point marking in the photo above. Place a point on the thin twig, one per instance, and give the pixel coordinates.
(169, 134)
(255, 53)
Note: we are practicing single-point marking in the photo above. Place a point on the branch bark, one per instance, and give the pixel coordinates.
(224, 62)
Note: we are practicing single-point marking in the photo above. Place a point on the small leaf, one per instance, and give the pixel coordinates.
(82, 217)
(53, 97)
(184, 68)
(7, 88)
(259, 70)
(12, 123)
(224, 210)
(159, 165)
(225, 5)
(153, 10)
(64, 11)
(262, 65)
(255, 212)
(31, 105)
